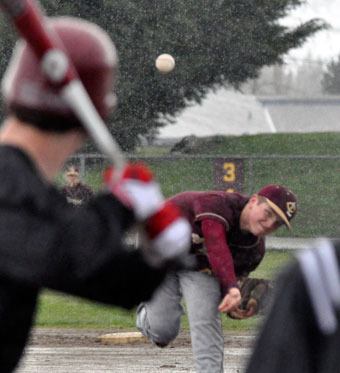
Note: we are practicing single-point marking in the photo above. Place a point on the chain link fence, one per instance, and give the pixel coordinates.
(315, 180)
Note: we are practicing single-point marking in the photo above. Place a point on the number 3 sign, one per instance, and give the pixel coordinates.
(228, 174)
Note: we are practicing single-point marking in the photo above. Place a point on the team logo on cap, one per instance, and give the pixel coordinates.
(291, 208)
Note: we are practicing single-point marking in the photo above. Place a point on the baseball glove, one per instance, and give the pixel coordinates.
(256, 294)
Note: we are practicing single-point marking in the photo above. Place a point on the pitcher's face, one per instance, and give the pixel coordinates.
(262, 220)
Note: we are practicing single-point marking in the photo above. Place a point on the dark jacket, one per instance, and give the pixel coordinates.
(77, 194)
(45, 242)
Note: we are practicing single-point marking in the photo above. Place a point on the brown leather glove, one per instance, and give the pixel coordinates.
(256, 294)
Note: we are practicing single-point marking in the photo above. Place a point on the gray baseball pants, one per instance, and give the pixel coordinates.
(159, 319)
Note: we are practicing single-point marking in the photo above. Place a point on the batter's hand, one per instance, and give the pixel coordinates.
(231, 300)
(136, 189)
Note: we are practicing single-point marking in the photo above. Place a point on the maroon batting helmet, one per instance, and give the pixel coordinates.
(29, 96)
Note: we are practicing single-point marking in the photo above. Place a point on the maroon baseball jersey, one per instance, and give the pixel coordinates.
(231, 252)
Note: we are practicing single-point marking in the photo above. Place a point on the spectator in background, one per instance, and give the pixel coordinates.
(75, 190)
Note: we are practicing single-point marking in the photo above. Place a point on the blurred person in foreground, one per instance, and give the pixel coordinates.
(44, 241)
(301, 334)
(228, 232)
(75, 191)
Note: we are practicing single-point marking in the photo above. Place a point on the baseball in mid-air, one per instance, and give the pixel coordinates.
(165, 63)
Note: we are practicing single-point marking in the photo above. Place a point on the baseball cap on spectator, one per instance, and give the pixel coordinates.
(282, 201)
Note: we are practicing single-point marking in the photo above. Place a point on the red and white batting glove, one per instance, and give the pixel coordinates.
(167, 231)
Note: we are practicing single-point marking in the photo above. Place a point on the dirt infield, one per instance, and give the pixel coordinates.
(62, 337)
(72, 351)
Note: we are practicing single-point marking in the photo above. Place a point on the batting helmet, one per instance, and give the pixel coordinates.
(29, 96)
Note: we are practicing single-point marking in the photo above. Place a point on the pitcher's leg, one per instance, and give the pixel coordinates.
(159, 319)
(202, 296)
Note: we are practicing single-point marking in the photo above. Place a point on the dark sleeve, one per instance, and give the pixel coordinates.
(17, 310)
(90, 191)
(220, 258)
(87, 193)
(288, 341)
(125, 281)
(78, 251)
(63, 191)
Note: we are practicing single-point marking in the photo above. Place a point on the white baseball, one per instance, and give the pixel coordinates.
(165, 63)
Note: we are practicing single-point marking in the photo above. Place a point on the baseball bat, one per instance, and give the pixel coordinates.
(28, 19)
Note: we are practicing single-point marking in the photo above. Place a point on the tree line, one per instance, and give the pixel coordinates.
(214, 42)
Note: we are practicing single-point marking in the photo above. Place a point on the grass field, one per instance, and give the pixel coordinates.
(57, 310)
(316, 181)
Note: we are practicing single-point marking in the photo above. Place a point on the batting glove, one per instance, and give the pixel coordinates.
(168, 234)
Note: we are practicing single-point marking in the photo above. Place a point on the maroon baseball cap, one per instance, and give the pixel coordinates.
(281, 200)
